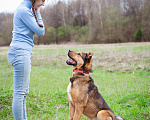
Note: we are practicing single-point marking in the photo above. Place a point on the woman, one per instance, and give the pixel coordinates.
(27, 22)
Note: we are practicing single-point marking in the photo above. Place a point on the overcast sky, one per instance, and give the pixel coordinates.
(10, 5)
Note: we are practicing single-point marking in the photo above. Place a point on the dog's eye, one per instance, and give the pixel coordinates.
(78, 53)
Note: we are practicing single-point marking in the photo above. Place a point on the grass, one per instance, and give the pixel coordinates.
(121, 73)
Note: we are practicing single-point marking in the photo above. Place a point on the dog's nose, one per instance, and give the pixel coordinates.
(69, 51)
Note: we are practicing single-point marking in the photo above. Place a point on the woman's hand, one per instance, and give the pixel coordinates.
(38, 4)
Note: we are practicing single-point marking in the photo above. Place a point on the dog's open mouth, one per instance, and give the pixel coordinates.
(71, 61)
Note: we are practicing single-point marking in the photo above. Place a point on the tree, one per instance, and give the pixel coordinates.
(138, 36)
(108, 21)
(6, 27)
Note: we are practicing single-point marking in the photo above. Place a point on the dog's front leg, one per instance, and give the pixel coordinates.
(78, 112)
(71, 112)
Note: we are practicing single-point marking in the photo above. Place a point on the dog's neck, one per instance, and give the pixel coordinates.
(81, 71)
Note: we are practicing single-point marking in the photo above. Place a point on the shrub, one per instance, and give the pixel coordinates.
(138, 35)
(62, 34)
(84, 29)
(51, 34)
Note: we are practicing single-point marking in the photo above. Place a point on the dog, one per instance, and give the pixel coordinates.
(82, 94)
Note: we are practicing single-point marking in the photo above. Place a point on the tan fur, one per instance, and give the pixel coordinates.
(85, 98)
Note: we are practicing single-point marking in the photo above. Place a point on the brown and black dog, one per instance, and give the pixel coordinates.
(83, 95)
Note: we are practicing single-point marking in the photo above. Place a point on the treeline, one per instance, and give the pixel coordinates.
(88, 21)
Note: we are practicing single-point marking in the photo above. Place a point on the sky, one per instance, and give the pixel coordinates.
(10, 5)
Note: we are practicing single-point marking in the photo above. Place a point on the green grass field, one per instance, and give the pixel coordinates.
(121, 73)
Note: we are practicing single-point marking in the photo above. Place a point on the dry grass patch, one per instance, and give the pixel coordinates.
(112, 57)
(122, 61)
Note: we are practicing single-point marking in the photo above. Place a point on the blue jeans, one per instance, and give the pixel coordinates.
(20, 59)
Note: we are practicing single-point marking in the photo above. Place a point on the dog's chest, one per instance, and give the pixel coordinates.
(68, 91)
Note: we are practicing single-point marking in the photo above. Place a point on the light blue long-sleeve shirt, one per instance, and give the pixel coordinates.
(25, 26)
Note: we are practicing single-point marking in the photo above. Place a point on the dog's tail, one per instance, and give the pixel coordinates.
(118, 118)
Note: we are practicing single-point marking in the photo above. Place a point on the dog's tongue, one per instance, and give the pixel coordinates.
(70, 62)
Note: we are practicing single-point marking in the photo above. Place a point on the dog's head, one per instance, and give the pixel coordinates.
(80, 60)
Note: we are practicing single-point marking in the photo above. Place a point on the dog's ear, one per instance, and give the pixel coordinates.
(89, 55)
(89, 61)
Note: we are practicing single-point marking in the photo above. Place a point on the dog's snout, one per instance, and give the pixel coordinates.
(69, 52)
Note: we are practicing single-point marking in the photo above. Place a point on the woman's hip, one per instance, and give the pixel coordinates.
(18, 56)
